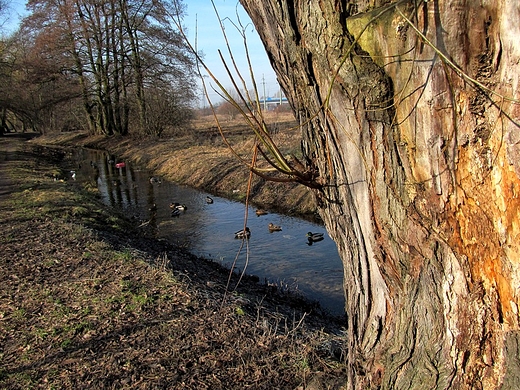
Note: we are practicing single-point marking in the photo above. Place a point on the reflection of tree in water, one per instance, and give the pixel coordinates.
(152, 208)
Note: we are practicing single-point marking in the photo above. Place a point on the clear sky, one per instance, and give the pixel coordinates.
(201, 21)
(10, 18)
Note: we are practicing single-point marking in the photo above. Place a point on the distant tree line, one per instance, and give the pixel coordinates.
(109, 66)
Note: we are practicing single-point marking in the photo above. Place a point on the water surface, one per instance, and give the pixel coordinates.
(284, 258)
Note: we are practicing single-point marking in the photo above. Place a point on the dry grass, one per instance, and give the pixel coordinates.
(198, 157)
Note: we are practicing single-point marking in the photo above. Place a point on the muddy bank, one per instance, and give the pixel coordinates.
(200, 159)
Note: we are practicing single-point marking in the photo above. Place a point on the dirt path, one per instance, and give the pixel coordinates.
(89, 302)
(9, 146)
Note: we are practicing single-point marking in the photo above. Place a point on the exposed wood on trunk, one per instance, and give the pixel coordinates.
(421, 166)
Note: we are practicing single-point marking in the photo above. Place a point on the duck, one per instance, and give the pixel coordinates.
(176, 213)
(261, 212)
(274, 228)
(155, 180)
(314, 237)
(246, 233)
(178, 206)
(209, 200)
(153, 207)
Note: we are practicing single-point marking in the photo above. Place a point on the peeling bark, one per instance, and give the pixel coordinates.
(419, 150)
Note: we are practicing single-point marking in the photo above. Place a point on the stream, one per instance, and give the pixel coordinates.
(285, 258)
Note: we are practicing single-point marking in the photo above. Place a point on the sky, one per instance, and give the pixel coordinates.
(202, 23)
(10, 19)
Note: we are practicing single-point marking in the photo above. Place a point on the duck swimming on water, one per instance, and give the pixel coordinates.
(178, 206)
(274, 228)
(314, 237)
(246, 233)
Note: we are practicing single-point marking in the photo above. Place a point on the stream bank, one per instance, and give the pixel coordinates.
(87, 302)
(200, 159)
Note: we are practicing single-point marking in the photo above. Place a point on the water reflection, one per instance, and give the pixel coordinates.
(208, 229)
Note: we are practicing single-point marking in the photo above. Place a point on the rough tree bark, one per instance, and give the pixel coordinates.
(420, 167)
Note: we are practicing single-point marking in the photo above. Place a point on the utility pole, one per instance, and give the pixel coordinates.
(265, 101)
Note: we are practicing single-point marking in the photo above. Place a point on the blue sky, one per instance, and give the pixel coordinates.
(210, 39)
(10, 18)
(201, 17)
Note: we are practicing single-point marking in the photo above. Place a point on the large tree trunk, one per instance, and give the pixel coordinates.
(420, 166)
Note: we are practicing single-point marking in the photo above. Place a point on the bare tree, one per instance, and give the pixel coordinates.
(34, 84)
(120, 51)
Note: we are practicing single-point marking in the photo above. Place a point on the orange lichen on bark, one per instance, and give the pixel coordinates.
(485, 227)
(510, 191)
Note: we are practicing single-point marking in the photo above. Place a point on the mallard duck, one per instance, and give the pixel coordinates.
(274, 228)
(209, 200)
(261, 212)
(178, 206)
(246, 233)
(314, 237)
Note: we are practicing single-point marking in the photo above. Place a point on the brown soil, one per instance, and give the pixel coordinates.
(87, 302)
